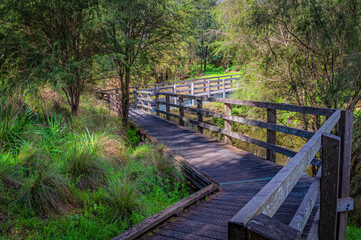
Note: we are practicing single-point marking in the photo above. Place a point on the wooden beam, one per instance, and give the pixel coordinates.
(278, 106)
(271, 135)
(329, 186)
(345, 132)
(181, 110)
(313, 233)
(200, 115)
(304, 211)
(266, 228)
(167, 99)
(227, 123)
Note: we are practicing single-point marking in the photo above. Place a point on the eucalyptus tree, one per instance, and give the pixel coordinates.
(49, 41)
(133, 28)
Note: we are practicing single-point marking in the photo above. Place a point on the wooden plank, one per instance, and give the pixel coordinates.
(192, 92)
(304, 211)
(156, 105)
(329, 186)
(199, 115)
(227, 123)
(168, 212)
(271, 135)
(265, 227)
(271, 196)
(224, 88)
(149, 103)
(345, 204)
(181, 110)
(208, 89)
(345, 132)
(167, 99)
(313, 233)
(278, 106)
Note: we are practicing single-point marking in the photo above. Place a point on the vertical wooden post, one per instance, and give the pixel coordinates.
(204, 86)
(167, 99)
(116, 100)
(200, 115)
(345, 132)
(227, 123)
(192, 92)
(181, 109)
(331, 149)
(209, 88)
(271, 135)
(175, 92)
(142, 101)
(224, 88)
(149, 103)
(218, 87)
(135, 99)
(156, 102)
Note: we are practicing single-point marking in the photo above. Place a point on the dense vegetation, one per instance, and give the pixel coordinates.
(296, 52)
(82, 177)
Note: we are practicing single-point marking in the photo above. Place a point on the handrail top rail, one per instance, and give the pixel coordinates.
(165, 83)
(279, 106)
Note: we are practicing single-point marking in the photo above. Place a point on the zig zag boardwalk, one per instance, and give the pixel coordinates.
(256, 198)
(240, 174)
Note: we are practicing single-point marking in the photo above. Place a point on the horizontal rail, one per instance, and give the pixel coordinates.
(278, 106)
(219, 78)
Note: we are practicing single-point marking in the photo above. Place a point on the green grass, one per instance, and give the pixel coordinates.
(83, 177)
(353, 232)
(212, 71)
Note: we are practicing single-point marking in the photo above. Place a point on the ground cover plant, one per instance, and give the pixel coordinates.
(77, 177)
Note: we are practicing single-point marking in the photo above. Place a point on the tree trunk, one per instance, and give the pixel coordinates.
(123, 109)
(205, 59)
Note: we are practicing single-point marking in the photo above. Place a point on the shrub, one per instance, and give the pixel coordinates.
(46, 191)
(122, 194)
(84, 163)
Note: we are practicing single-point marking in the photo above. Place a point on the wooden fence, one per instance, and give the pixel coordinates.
(201, 87)
(331, 184)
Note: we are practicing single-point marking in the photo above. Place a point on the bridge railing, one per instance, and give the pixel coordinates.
(200, 86)
(331, 184)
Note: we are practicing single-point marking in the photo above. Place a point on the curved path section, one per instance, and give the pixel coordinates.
(240, 174)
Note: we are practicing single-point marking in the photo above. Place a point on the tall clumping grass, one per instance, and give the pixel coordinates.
(78, 177)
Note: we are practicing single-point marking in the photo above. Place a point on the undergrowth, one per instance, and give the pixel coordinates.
(82, 177)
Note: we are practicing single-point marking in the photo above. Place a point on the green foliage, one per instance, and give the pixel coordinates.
(133, 136)
(79, 177)
(46, 191)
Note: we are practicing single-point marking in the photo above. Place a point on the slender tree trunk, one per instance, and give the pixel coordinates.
(205, 59)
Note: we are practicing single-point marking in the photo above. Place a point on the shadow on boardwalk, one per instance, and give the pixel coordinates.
(240, 174)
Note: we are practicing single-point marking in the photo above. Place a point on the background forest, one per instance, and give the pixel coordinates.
(54, 55)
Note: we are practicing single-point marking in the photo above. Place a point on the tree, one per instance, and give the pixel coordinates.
(49, 42)
(131, 29)
(205, 29)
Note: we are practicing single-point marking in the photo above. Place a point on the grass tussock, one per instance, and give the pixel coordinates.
(77, 177)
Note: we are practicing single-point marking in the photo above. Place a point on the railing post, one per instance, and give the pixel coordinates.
(345, 132)
(135, 99)
(200, 115)
(181, 109)
(218, 87)
(192, 92)
(209, 88)
(175, 92)
(142, 101)
(331, 146)
(149, 102)
(224, 88)
(271, 134)
(167, 99)
(156, 101)
(227, 123)
(108, 100)
(204, 86)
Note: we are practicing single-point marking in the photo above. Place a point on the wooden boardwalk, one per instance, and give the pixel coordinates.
(257, 198)
(240, 174)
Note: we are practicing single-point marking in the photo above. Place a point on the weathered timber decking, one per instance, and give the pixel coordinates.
(240, 174)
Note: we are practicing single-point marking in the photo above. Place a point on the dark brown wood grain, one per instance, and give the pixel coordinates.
(271, 134)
